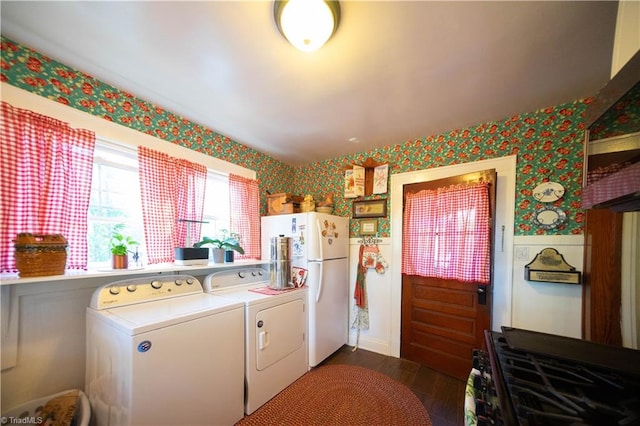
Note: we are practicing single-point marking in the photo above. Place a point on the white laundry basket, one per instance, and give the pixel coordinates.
(29, 412)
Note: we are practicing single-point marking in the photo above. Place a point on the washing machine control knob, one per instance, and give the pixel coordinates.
(156, 284)
(242, 274)
(114, 289)
(190, 281)
(179, 282)
(131, 288)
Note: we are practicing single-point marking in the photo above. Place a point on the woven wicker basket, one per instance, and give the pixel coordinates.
(40, 254)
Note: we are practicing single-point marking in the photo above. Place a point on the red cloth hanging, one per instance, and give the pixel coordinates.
(359, 293)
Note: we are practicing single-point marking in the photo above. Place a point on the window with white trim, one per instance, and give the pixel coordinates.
(115, 199)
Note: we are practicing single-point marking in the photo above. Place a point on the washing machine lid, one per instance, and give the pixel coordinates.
(148, 316)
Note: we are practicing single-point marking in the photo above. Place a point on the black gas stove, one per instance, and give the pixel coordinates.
(527, 378)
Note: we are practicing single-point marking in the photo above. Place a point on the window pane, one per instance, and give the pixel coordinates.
(115, 198)
(216, 205)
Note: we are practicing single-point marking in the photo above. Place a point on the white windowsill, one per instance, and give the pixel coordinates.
(13, 278)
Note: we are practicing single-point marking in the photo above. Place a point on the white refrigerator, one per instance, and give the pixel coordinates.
(321, 246)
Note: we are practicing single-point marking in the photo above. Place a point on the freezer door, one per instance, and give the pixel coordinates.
(316, 236)
(328, 236)
(328, 284)
(289, 225)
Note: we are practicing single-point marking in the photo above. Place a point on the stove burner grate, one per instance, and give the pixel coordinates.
(548, 391)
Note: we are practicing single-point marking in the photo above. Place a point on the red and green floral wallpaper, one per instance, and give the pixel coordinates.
(31, 71)
(548, 142)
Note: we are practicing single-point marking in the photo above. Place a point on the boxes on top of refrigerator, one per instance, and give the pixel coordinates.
(283, 203)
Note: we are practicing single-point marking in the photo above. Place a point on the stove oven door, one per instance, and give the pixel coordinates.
(473, 398)
(481, 404)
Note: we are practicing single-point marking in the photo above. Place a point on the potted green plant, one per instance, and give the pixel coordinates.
(119, 245)
(223, 247)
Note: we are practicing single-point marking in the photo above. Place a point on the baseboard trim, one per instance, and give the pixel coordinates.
(369, 344)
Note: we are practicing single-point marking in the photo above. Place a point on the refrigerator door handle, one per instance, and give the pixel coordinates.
(320, 244)
(320, 280)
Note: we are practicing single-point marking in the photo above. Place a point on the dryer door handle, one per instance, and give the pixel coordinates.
(263, 338)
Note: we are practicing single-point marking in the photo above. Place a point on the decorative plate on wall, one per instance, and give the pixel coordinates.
(549, 217)
(548, 192)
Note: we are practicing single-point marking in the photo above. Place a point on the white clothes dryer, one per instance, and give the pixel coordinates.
(162, 352)
(276, 348)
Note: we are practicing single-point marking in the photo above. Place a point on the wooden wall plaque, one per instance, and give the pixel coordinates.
(549, 266)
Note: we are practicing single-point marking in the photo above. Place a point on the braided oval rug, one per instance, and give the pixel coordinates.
(341, 395)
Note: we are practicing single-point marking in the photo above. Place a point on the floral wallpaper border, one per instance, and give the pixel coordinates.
(548, 142)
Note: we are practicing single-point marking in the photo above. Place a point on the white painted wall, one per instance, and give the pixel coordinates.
(47, 321)
(630, 281)
(547, 307)
(378, 337)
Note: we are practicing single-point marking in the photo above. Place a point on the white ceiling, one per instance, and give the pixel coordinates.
(394, 70)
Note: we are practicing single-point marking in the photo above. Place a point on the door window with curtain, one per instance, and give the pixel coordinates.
(447, 233)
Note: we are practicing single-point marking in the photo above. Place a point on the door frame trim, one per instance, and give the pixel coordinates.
(503, 255)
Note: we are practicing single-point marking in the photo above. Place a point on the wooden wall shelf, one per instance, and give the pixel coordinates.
(369, 168)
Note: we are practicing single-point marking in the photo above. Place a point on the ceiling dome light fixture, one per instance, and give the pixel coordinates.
(307, 24)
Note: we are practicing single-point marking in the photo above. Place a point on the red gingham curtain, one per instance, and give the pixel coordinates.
(46, 168)
(170, 189)
(192, 181)
(244, 203)
(446, 233)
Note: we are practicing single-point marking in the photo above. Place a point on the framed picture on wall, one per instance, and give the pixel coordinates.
(369, 227)
(380, 177)
(370, 208)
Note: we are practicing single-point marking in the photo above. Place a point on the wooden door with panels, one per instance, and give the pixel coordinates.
(444, 320)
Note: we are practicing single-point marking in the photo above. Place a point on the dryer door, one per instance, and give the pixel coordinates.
(280, 330)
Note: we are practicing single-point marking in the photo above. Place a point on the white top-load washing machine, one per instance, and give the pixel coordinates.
(162, 352)
(276, 349)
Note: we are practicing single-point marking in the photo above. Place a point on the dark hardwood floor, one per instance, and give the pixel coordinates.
(441, 395)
